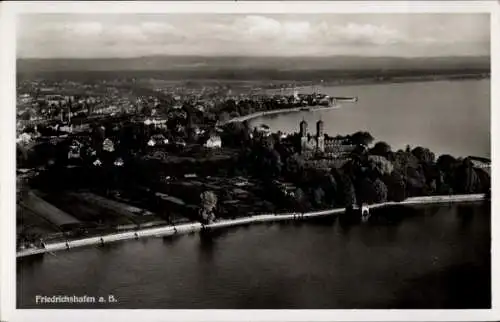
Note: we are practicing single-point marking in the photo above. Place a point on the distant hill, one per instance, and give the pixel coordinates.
(198, 63)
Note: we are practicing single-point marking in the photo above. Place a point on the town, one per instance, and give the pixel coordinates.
(99, 156)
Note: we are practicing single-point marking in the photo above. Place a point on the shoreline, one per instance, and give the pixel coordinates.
(355, 82)
(280, 111)
(398, 80)
(196, 226)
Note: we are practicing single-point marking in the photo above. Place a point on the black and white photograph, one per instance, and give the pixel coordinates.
(253, 160)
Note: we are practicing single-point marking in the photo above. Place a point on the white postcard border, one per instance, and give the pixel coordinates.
(8, 11)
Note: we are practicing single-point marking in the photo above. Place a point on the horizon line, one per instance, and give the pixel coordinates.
(263, 56)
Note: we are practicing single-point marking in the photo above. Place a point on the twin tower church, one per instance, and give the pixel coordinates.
(321, 144)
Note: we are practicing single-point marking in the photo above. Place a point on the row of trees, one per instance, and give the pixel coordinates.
(370, 175)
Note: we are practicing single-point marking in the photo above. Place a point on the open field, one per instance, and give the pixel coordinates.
(52, 214)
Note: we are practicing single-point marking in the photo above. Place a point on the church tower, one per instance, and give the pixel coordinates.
(303, 136)
(320, 136)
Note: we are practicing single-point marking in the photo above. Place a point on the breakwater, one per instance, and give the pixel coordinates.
(196, 226)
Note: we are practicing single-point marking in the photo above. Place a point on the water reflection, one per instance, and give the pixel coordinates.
(392, 216)
(108, 247)
(172, 239)
(465, 214)
(349, 219)
(322, 221)
(30, 264)
(208, 240)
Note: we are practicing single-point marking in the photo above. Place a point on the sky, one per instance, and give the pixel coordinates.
(135, 35)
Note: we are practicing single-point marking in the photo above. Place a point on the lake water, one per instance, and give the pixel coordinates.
(445, 116)
(420, 257)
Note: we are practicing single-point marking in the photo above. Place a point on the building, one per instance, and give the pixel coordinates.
(66, 128)
(119, 162)
(108, 145)
(315, 143)
(320, 143)
(157, 122)
(481, 163)
(157, 139)
(286, 188)
(263, 130)
(74, 150)
(213, 142)
(24, 138)
(179, 142)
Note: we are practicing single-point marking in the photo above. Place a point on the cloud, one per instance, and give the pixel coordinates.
(93, 28)
(368, 33)
(157, 28)
(108, 35)
(85, 28)
(258, 28)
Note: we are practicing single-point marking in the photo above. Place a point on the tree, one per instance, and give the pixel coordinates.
(208, 202)
(146, 110)
(347, 193)
(446, 162)
(319, 195)
(224, 117)
(380, 190)
(265, 162)
(98, 136)
(26, 115)
(411, 170)
(352, 168)
(404, 160)
(22, 155)
(235, 134)
(300, 200)
(361, 138)
(294, 164)
(396, 187)
(276, 164)
(432, 177)
(230, 106)
(358, 153)
(415, 181)
(380, 165)
(365, 191)
(447, 165)
(330, 187)
(467, 180)
(424, 155)
(484, 179)
(381, 148)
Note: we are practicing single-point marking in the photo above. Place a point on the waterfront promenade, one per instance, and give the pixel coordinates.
(196, 226)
